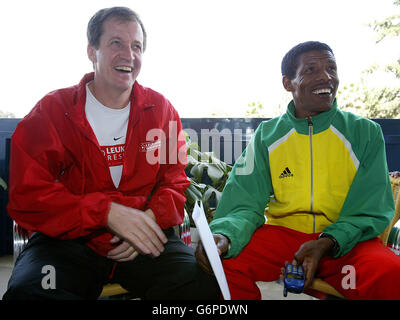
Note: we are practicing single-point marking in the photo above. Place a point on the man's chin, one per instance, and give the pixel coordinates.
(124, 87)
(326, 105)
(320, 109)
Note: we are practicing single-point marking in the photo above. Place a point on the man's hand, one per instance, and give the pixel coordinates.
(137, 228)
(309, 255)
(124, 251)
(222, 243)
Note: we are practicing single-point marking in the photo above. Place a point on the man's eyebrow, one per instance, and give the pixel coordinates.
(315, 62)
(115, 38)
(119, 38)
(310, 63)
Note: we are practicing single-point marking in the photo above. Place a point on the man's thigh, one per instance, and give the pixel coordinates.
(369, 271)
(175, 274)
(49, 268)
(266, 253)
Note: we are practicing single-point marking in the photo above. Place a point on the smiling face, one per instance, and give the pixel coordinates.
(118, 58)
(315, 84)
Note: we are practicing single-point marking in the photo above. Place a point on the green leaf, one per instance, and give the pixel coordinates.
(3, 184)
(211, 193)
(217, 171)
(193, 194)
(214, 172)
(197, 171)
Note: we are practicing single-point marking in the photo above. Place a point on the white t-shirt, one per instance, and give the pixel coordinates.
(109, 126)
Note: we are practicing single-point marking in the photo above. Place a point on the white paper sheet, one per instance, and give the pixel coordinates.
(210, 247)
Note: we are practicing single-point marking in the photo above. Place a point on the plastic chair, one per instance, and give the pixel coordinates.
(396, 196)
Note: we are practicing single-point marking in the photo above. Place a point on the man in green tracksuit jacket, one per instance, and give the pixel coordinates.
(312, 186)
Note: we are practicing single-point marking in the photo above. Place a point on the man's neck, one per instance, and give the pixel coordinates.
(110, 98)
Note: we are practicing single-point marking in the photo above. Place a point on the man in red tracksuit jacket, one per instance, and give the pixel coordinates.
(97, 176)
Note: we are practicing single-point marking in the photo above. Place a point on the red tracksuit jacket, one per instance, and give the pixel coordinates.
(60, 183)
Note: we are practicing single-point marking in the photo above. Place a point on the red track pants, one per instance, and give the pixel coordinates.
(376, 267)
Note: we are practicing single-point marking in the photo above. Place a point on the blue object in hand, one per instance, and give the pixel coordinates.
(294, 279)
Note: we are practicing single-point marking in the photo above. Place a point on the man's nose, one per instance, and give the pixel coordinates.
(127, 53)
(324, 75)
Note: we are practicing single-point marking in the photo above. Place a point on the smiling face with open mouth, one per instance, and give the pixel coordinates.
(117, 61)
(315, 84)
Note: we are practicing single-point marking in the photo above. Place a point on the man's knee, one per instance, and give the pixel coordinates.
(21, 291)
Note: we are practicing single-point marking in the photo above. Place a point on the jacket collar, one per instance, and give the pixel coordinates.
(140, 101)
(320, 122)
(139, 98)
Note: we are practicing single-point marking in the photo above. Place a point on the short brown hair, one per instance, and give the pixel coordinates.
(95, 25)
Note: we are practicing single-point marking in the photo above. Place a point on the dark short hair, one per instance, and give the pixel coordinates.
(95, 25)
(290, 60)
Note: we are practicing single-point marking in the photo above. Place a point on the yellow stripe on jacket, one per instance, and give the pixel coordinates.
(310, 179)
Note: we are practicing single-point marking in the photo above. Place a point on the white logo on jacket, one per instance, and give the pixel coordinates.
(149, 146)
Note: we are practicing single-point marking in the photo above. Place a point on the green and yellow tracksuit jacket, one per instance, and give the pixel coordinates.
(326, 173)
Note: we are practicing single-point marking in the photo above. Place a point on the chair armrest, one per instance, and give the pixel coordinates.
(20, 239)
(322, 286)
(396, 196)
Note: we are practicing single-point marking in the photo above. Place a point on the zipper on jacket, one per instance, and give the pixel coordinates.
(310, 133)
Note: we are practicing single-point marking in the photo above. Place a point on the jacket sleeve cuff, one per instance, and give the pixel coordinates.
(335, 249)
(168, 212)
(95, 215)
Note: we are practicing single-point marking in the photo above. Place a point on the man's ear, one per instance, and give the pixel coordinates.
(91, 52)
(287, 84)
